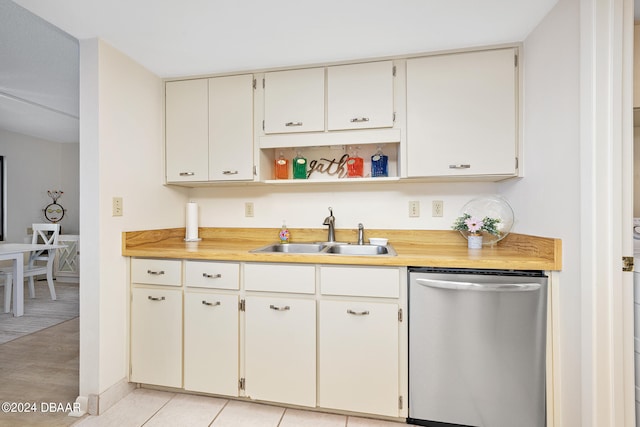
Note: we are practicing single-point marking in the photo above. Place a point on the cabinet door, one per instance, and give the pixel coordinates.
(360, 96)
(358, 357)
(211, 343)
(294, 101)
(187, 130)
(280, 346)
(156, 336)
(462, 114)
(231, 128)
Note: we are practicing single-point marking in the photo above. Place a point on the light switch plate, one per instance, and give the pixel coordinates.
(248, 209)
(414, 209)
(116, 206)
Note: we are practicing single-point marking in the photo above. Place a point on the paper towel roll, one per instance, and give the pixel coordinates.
(192, 222)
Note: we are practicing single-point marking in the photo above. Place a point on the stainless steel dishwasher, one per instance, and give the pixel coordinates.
(477, 347)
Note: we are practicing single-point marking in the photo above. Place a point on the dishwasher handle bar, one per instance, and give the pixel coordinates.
(482, 287)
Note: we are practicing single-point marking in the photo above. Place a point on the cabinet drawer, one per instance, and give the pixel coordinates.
(156, 271)
(299, 279)
(218, 275)
(360, 281)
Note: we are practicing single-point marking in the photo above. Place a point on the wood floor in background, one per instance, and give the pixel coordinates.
(40, 312)
(41, 367)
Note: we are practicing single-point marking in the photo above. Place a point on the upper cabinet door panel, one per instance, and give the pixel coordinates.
(231, 128)
(462, 114)
(360, 96)
(187, 130)
(294, 101)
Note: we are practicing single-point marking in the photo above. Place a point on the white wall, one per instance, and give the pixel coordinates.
(34, 166)
(120, 155)
(375, 205)
(548, 198)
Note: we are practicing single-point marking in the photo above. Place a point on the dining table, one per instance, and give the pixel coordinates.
(15, 252)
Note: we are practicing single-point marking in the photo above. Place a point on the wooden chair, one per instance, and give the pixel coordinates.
(7, 291)
(40, 263)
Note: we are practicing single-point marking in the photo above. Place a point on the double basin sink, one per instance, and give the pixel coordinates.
(327, 248)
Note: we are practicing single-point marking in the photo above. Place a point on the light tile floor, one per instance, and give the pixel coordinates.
(153, 408)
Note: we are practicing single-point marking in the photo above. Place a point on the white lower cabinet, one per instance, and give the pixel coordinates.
(322, 336)
(280, 349)
(358, 357)
(211, 354)
(156, 336)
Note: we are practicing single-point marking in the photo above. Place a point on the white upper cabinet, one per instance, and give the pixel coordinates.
(187, 130)
(231, 128)
(209, 129)
(462, 114)
(360, 96)
(294, 101)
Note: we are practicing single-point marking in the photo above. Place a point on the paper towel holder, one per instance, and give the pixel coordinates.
(191, 229)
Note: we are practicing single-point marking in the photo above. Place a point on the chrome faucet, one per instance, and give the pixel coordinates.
(360, 234)
(331, 222)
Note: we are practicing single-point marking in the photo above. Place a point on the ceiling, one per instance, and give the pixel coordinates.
(195, 37)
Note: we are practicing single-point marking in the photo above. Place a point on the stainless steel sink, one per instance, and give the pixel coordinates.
(326, 249)
(361, 250)
(291, 248)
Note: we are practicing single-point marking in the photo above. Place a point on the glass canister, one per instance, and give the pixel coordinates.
(299, 166)
(355, 165)
(281, 167)
(379, 167)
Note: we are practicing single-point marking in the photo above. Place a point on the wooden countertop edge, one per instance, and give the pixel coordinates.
(434, 248)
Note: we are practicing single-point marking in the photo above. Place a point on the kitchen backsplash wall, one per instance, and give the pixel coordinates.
(384, 205)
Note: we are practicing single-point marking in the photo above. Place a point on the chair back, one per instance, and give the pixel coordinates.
(49, 234)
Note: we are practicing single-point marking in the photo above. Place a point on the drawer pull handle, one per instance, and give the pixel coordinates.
(459, 166)
(289, 124)
(204, 302)
(359, 119)
(274, 307)
(155, 273)
(187, 173)
(155, 298)
(211, 276)
(229, 172)
(358, 313)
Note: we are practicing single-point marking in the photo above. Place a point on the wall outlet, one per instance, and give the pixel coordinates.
(116, 206)
(414, 209)
(437, 208)
(248, 209)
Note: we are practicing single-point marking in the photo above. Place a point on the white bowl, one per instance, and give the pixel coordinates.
(378, 241)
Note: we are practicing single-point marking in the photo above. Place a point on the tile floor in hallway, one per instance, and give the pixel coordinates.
(153, 408)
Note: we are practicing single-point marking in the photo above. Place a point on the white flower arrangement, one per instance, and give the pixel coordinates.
(475, 225)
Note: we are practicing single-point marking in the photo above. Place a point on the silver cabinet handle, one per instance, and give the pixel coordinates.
(482, 287)
(293, 124)
(359, 119)
(187, 173)
(155, 273)
(358, 313)
(213, 304)
(211, 276)
(229, 172)
(155, 298)
(274, 307)
(459, 166)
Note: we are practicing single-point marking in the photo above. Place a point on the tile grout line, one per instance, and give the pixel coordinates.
(281, 417)
(219, 412)
(159, 409)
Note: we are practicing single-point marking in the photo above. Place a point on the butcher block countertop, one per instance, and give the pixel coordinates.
(423, 248)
